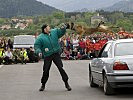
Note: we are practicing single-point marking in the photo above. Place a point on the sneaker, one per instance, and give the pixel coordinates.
(68, 86)
(42, 88)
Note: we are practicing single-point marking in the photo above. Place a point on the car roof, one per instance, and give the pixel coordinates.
(120, 41)
(23, 35)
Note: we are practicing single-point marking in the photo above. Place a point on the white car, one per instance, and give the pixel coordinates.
(113, 68)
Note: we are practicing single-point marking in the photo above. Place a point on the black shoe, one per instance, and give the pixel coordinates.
(68, 86)
(42, 88)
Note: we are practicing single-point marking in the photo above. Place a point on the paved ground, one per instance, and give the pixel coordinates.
(21, 82)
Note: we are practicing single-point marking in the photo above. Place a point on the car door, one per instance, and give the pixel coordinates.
(104, 55)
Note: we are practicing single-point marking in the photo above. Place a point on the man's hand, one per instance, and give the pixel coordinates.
(40, 55)
(62, 25)
(67, 25)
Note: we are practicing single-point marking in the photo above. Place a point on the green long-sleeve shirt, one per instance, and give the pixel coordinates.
(48, 44)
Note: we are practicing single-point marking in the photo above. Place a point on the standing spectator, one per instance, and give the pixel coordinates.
(75, 43)
(68, 46)
(0, 44)
(103, 41)
(87, 43)
(123, 33)
(10, 44)
(82, 46)
(62, 45)
(3, 44)
(97, 48)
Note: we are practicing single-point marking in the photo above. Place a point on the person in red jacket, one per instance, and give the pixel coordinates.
(123, 33)
(103, 42)
(97, 48)
(87, 43)
(122, 30)
(82, 46)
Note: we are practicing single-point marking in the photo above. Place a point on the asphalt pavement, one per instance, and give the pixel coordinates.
(22, 82)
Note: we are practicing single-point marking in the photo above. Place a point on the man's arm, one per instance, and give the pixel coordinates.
(62, 30)
(37, 46)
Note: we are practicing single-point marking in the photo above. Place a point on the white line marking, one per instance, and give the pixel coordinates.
(1, 66)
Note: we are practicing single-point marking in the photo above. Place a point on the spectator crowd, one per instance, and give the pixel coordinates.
(8, 55)
(73, 47)
(86, 47)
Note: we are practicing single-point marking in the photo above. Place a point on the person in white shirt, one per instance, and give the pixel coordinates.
(75, 43)
(8, 56)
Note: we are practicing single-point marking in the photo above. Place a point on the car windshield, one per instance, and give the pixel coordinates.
(122, 49)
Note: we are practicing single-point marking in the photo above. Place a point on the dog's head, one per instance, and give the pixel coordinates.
(79, 29)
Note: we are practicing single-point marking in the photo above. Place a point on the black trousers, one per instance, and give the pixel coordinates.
(1, 60)
(47, 64)
(8, 60)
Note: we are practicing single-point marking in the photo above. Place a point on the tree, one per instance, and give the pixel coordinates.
(59, 15)
(125, 23)
(88, 15)
(2, 20)
(115, 16)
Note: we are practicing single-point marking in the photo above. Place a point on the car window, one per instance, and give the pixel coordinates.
(125, 48)
(110, 51)
(105, 52)
(101, 51)
(24, 39)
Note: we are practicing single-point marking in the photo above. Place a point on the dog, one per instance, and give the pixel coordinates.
(81, 30)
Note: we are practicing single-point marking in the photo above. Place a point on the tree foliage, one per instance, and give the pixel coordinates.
(10, 8)
(119, 19)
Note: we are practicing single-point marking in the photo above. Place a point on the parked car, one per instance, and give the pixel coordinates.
(113, 68)
(23, 41)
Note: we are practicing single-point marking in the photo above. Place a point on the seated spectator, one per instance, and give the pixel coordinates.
(79, 56)
(85, 55)
(92, 54)
(24, 56)
(10, 44)
(32, 57)
(67, 53)
(8, 57)
(74, 53)
(16, 56)
(1, 56)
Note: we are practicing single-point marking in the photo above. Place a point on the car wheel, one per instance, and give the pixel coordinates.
(92, 84)
(108, 90)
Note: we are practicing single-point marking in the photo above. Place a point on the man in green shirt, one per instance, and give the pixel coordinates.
(47, 46)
